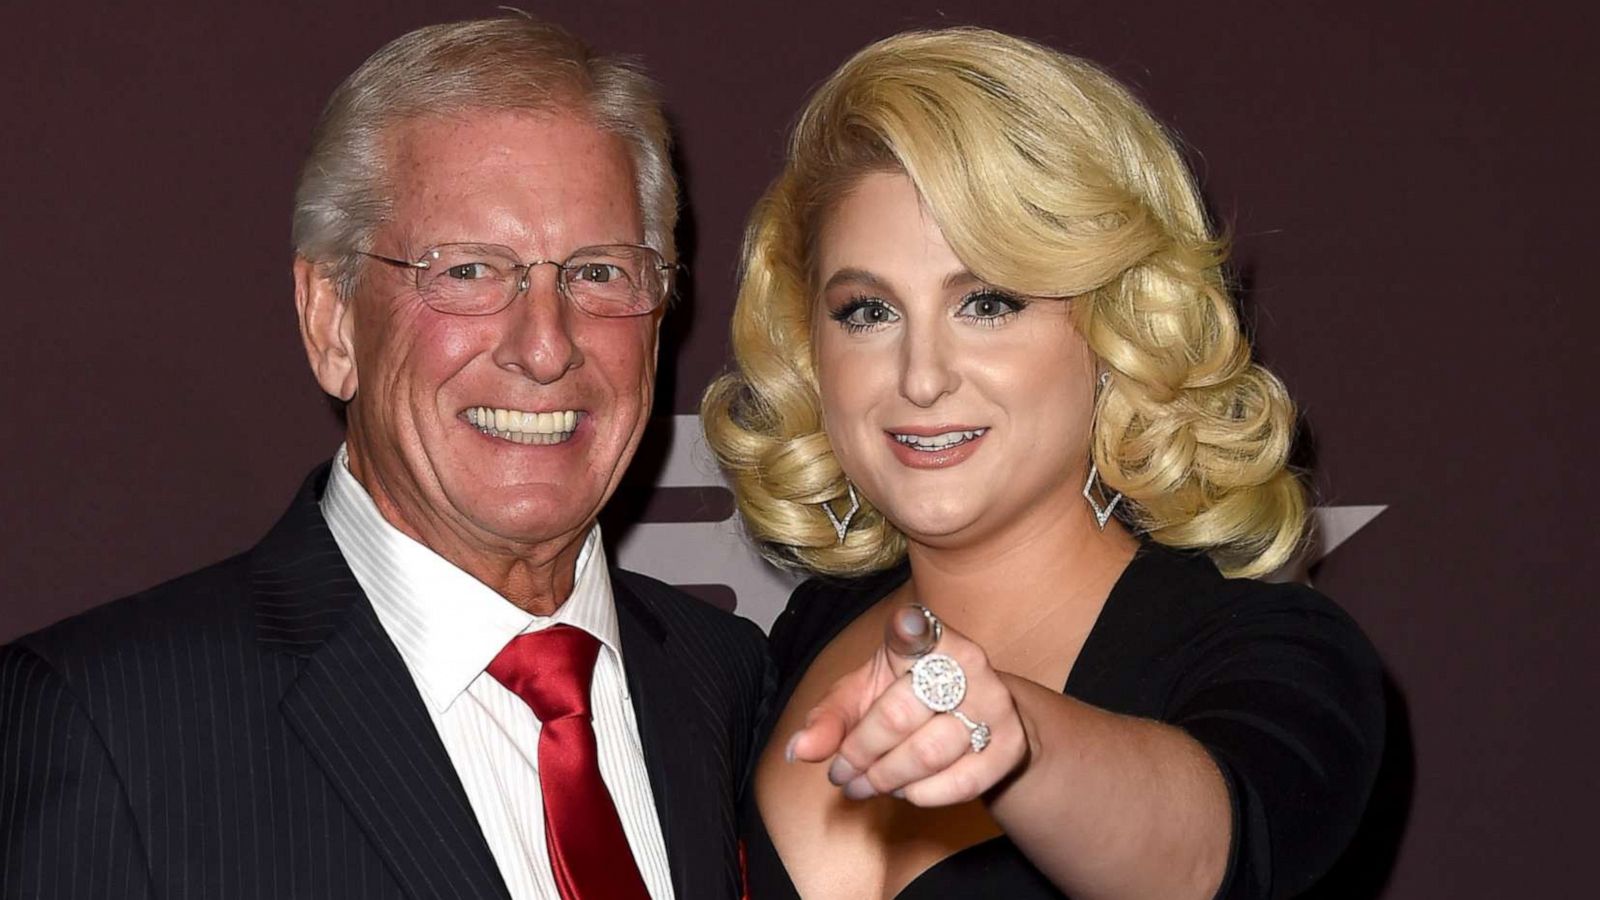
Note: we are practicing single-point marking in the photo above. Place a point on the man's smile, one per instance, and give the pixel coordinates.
(522, 426)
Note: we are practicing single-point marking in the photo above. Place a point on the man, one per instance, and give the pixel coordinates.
(423, 682)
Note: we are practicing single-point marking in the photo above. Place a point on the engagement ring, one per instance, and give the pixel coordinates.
(978, 732)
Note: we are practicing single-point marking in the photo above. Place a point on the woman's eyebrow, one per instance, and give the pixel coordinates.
(852, 275)
(961, 278)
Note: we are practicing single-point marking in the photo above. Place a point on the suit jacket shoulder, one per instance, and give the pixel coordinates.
(245, 731)
(211, 604)
(731, 644)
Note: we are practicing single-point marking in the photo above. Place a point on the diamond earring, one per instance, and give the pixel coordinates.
(842, 526)
(1102, 514)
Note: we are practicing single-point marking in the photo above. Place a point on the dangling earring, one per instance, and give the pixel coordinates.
(1102, 515)
(842, 526)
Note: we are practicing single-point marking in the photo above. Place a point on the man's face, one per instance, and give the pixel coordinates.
(544, 186)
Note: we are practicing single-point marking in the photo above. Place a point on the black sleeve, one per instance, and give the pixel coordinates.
(65, 827)
(1286, 695)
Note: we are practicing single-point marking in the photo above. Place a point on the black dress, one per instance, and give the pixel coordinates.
(1274, 680)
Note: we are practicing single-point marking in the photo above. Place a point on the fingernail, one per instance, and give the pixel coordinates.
(788, 750)
(840, 771)
(898, 793)
(913, 622)
(859, 789)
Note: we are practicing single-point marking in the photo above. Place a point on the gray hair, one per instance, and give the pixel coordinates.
(512, 62)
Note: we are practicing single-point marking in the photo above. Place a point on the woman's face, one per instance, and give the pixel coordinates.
(959, 409)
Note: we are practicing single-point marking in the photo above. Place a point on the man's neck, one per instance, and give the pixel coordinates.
(535, 577)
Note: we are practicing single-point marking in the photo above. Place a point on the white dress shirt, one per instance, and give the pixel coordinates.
(448, 626)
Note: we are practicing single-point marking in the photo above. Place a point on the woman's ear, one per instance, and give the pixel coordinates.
(326, 327)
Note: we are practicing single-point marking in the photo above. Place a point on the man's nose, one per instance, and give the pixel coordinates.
(927, 365)
(537, 341)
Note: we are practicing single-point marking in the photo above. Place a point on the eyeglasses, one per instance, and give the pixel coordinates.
(610, 280)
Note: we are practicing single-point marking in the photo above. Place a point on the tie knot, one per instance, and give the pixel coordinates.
(550, 670)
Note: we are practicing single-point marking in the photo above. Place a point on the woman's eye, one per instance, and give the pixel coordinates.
(990, 307)
(862, 314)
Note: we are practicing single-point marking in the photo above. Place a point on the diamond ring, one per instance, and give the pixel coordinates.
(938, 682)
(977, 732)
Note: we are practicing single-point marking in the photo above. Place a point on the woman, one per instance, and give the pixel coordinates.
(988, 371)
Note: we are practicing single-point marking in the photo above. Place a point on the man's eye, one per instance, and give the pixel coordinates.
(599, 273)
(470, 271)
(990, 306)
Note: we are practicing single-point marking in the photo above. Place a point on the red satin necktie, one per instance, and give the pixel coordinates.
(589, 854)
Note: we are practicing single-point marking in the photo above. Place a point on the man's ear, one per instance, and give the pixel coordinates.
(326, 328)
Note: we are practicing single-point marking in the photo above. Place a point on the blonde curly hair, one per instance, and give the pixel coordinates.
(1047, 178)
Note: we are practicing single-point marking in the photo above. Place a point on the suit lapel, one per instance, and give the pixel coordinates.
(358, 713)
(679, 751)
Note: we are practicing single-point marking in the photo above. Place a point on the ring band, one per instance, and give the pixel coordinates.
(977, 732)
(938, 682)
(935, 629)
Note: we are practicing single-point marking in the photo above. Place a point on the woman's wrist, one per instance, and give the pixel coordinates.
(1035, 756)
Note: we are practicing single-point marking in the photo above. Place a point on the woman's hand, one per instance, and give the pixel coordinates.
(884, 740)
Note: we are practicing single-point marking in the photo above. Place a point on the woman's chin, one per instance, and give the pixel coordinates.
(944, 527)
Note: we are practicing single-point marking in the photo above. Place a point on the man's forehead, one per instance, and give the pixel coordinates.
(510, 176)
(480, 136)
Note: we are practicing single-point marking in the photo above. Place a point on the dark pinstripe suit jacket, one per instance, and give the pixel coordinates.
(250, 731)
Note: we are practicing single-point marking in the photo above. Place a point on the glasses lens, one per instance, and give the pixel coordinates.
(617, 280)
(469, 279)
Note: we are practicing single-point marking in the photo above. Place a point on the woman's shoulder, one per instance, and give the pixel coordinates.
(821, 607)
(1174, 611)
(1186, 589)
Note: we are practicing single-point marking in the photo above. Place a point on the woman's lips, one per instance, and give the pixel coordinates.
(935, 448)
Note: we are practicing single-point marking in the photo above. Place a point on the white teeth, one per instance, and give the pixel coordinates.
(524, 427)
(938, 441)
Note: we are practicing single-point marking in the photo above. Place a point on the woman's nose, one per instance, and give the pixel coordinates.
(928, 369)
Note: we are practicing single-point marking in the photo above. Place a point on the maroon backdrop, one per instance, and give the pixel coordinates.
(1412, 195)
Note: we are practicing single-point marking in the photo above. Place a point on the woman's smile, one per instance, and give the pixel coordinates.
(935, 448)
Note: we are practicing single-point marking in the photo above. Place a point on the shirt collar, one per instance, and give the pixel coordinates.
(447, 625)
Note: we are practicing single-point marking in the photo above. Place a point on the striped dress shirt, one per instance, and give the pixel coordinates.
(448, 626)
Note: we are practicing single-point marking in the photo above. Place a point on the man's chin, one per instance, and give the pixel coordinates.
(528, 514)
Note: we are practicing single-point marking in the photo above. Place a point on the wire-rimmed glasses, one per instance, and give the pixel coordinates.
(608, 280)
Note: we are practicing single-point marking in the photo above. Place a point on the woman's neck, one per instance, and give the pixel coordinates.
(1055, 565)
